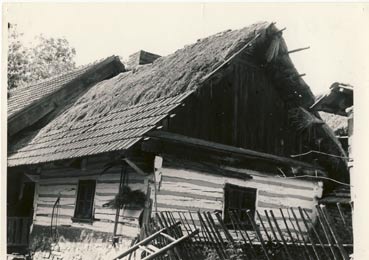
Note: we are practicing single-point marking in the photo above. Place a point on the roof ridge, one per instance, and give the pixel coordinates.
(81, 67)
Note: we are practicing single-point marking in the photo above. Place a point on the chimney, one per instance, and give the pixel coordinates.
(140, 58)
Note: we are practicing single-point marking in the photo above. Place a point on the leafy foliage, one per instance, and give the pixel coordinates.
(48, 57)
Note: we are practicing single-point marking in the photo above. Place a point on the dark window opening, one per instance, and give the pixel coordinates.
(237, 200)
(85, 200)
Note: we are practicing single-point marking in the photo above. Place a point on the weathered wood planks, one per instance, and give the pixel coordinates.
(63, 181)
(183, 189)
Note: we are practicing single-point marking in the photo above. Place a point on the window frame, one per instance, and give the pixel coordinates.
(226, 189)
(76, 218)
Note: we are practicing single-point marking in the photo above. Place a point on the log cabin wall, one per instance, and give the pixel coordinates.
(183, 188)
(64, 180)
(242, 109)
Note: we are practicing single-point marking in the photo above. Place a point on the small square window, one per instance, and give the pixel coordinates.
(85, 201)
(239, 199)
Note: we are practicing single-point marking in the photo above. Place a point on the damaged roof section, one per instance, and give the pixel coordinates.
(27, 105)
(336, 101)
(339, 124)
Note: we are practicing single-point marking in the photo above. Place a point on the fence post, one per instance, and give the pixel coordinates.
(335, 237)
(316, 234)
(303, 238)
(325, 230)
(219, 252)
(281, 234)
(307, 229)
(254, 226)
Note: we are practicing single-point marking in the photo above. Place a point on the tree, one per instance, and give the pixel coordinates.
(47, 57)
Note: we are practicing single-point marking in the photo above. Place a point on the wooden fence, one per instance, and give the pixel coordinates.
(18, 231)
(258, 235)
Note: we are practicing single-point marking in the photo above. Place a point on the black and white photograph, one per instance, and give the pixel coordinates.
(175, 131)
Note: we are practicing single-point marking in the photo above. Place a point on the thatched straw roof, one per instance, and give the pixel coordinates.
(167, 76)
(339, 124)
(168, 79)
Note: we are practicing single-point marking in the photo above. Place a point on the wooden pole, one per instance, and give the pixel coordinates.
(310, 238)
(217, 239)
(287, 228)
(281, 235)
(194, 225)
(334, 234)
(302, 235)
(299, 49)
(206, 236)
(186, 244)
(343, 218)
(316, 234)
(143, 242)
(271, 226)
(170, 246)
(237, 222)
(215, 228)
(263, 226)
(217, 249)
(189, 226)
(225, 229)
(117, 212)
(293, 226)
(171, 230)
(325, 230)
(254, 226)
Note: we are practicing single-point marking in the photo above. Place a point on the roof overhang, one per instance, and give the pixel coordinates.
(161, 142)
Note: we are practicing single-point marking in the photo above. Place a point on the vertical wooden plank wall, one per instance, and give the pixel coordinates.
(183, 189)
(243, 109)
(64, 180)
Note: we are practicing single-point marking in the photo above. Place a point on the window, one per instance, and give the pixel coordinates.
(85, 200)
(238, 198)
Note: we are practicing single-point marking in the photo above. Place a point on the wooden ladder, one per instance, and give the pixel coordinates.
(154, 251)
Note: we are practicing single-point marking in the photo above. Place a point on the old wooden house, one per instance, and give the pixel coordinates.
(212, 126)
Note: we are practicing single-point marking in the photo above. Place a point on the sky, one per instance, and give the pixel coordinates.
(334, 32)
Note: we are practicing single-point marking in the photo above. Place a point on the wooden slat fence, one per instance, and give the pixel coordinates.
(272, 234)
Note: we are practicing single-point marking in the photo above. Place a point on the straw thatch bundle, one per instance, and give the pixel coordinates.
(302, 119)
(339, 124)
(173, 74)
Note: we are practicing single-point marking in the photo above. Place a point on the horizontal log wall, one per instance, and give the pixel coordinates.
(184, 189)
(64, 180)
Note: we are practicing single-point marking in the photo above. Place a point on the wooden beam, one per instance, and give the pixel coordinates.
(135, 167)
(204, 166)
(226, 63)
(296, 50)
(280, 31)
(34, 114)
(160, 139)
